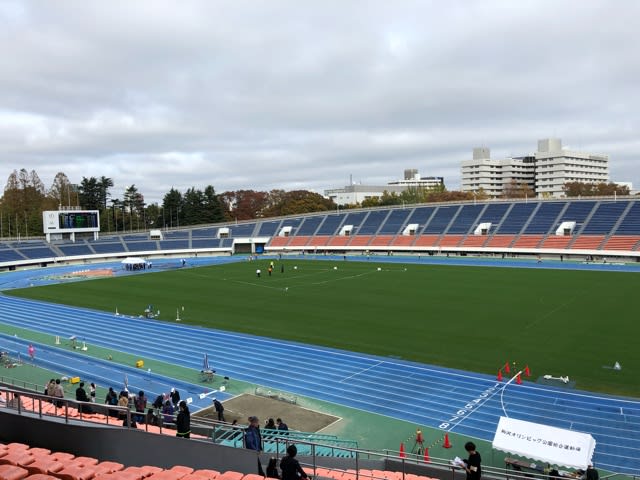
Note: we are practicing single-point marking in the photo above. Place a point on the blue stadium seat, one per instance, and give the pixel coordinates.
(71, 250)
(394, 222)
(577, 211)
(37, 252)
(142, 246)
(331, 224)
(243, 230)
(174, 235)
(604, 218)
(493, 214)
(545, 218)
(441, 219)
(310, 225)
(204, 232)
(174, 244)
(268, 228)
(421, 216)
(372, 223)
(108, 247)
(516, 218)
(466, 219)
(207, 242)
(630, 224)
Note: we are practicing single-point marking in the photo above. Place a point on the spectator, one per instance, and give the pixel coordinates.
(123, 401)
(58, 392)
(272, 468)
(183, 422)
(219, 409)
(140, 403)
(592, 473)
(270, 425)
(175, 398)
(158, 402)
(253, 440)
(281, 425)
(252, 436)
(167, 412)
(472, 464)
(81, 396)
(291, 469)
(51, 388)
(92, 392)
(111, 398)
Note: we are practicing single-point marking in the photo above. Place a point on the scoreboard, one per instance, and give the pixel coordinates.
(71, 221)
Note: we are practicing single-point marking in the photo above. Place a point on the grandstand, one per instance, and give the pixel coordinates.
(608, 227)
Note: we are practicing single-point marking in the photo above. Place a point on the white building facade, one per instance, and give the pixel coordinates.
(545, 172)
(357, 193)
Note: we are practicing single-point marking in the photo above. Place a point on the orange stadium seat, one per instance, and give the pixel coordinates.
(381, 240)
(528, 241)
(556, 241)
(403, 241)
(501, 241)
(319, 240)
(279, 241)
(622, 242)
(300, 241)
(451, 240)
(338, 241)
(587, 242)
(229, 475)
(360, 240)
(11, 472)
(426, 240)
(474, 241)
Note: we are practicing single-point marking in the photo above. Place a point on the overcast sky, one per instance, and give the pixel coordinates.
(300, 95)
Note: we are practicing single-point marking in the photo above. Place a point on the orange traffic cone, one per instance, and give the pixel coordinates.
(426, 455)
(499, 377)
(447, 443)
(402, 454)
(527, 372)
(507, 369)
(518, 379)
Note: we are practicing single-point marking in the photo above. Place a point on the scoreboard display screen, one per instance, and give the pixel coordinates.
(75, 220)
(70, 221)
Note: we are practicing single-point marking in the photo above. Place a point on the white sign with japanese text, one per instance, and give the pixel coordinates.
(555, 446)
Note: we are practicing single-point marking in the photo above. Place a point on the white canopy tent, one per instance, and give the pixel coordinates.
(555, 446)
(133, 261)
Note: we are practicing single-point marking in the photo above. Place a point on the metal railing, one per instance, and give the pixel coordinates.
(216, 432)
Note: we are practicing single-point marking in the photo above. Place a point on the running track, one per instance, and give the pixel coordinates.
(469, 404)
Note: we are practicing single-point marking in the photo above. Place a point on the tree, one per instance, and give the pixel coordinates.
(518, 190)
(296, 202)
(89, 193)
(580, 189)
(61, 190)
(214, 211)
(245, 204)
(171, 205)
(104, 184)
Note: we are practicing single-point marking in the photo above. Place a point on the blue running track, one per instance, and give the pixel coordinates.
(451, 400)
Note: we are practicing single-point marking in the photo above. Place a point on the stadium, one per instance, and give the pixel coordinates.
(359, 328)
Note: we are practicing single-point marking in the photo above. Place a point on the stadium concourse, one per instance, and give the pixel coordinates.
(444, 399)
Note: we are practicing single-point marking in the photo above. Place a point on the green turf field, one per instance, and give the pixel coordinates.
(474, 318)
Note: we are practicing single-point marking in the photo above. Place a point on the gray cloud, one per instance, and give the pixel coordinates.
(241, 94)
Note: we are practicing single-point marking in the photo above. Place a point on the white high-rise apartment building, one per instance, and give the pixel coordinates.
(556, 166)
(545, 172)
